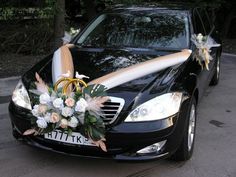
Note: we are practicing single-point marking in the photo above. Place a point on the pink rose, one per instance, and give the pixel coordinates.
(55, 117)
(42, 109)
(70, 102)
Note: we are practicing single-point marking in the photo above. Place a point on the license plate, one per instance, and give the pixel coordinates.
(74, 138)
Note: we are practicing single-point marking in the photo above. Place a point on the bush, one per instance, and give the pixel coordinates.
(26, 36)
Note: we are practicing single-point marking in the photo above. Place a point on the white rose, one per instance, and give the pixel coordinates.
(47, 117)
(41, 122)
(199, 38)
(67, 112)
(64, 123)
(81, 105)
(58, 103)
(53, 96)
(73, 122)
(44, 98)
(42, 108)
(35, 111)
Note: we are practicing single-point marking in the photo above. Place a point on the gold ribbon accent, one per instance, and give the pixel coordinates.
(69, 81)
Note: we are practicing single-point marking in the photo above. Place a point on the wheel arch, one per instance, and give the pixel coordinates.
(191, 86)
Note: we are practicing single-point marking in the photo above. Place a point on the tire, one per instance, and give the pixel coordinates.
(216, 76)
(185, 150)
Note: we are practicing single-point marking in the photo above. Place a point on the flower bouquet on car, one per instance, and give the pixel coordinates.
(203, 45)
(75, 106)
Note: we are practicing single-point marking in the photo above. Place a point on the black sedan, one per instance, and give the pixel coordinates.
(154, 115)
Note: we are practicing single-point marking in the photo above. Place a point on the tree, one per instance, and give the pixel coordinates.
(59, 22)
(229, 14)
(90, 9)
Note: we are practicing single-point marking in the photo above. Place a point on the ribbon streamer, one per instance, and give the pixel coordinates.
(139, 70)
(62, 62)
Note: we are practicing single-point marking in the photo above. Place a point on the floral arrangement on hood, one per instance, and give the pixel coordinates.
(203, 44)
(77, 110)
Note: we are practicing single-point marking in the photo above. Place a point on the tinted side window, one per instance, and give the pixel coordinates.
(198, 23)
(205, 19)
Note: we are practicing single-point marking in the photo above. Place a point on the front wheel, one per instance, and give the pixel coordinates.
(185, 150)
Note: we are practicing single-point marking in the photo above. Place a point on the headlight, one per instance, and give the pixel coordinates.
(157, 108)
(20, 96)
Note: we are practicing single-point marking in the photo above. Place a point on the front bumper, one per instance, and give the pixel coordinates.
(122, 141)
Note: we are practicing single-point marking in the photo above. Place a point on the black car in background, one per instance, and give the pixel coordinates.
(121, 37)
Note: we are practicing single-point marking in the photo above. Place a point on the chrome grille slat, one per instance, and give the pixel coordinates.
(106, 119)
(112, 109)
(109, 110)
(108, 114)
(112, 106)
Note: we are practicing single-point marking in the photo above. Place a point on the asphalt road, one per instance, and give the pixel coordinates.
(214, 153)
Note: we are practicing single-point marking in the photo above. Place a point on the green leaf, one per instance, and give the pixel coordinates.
(63, 97)
(57, 125)
(59, 91)
(49, 128)
(100, 122)
(86, 119)
(34, 98)
(33, 120)
(93, 127)
(92, 119)
(95, 90)
(70, 132)
(77, 95)
(97, 134)
(50, 90)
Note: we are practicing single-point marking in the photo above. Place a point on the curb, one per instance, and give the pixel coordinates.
(13, 78)
(4, 108)
(7, 85)
(229, 54)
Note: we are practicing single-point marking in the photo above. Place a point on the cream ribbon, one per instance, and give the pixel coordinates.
(142, 69)
(62, 63)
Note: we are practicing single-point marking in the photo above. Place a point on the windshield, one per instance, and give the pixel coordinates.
(145, 29)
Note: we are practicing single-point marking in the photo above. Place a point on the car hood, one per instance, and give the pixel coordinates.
(99, 62)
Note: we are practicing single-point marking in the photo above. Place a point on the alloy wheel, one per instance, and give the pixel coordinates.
(218, 69)
(191, 127)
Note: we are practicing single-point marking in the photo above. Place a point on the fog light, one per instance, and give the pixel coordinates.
(154, 148)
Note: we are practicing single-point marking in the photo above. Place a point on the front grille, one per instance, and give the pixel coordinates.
(112, 109)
